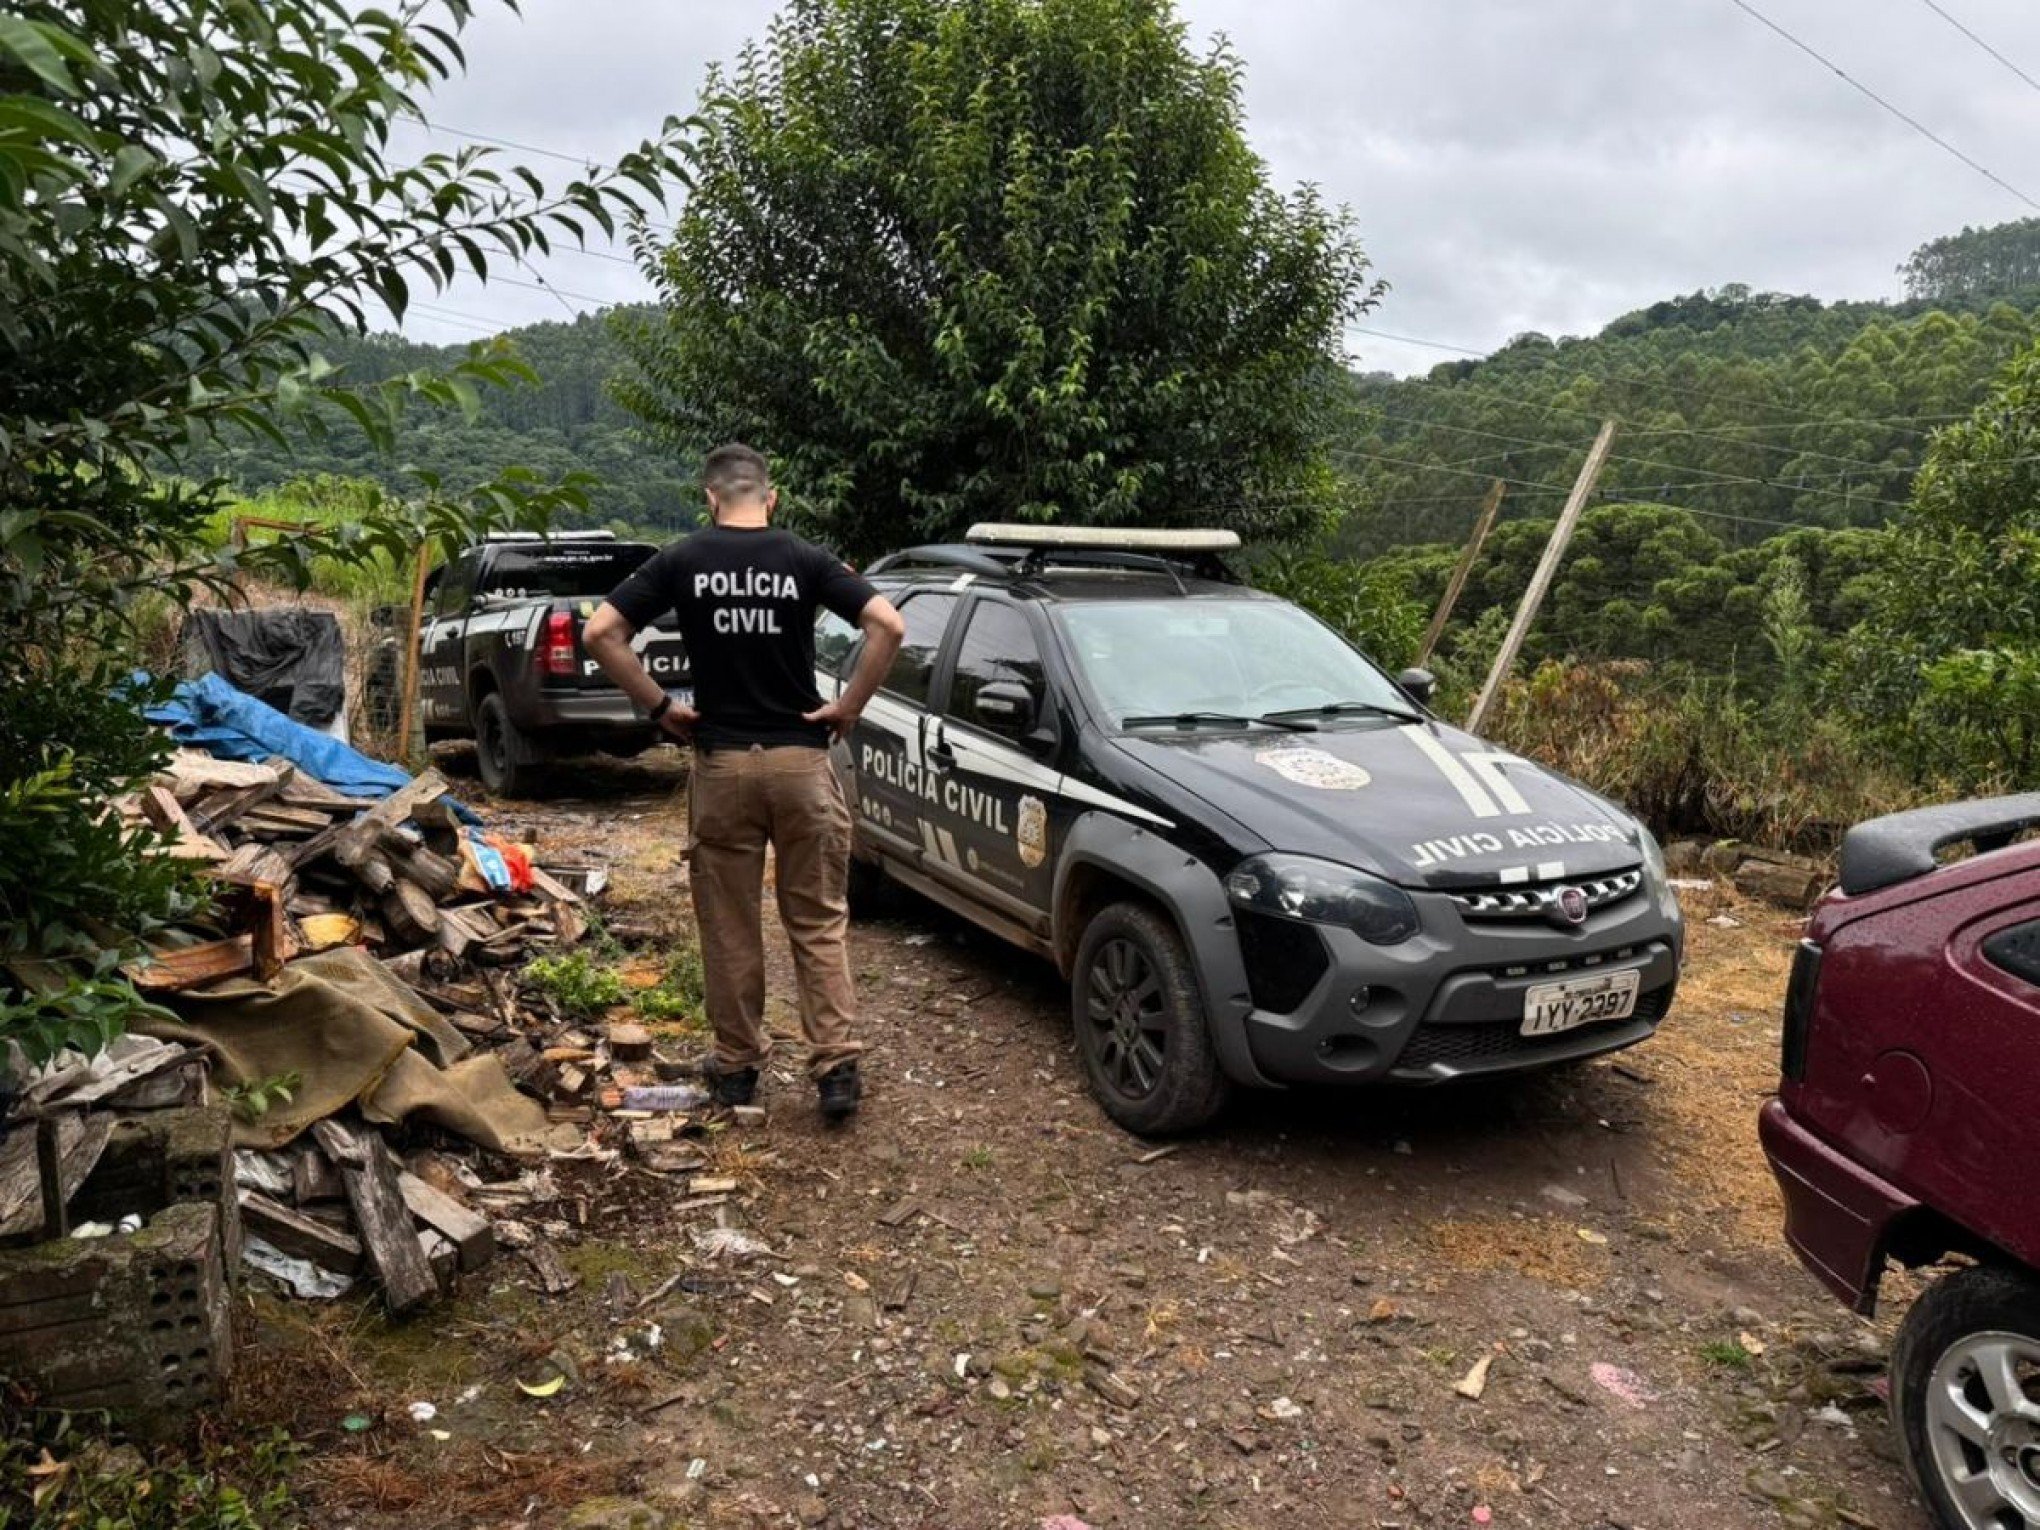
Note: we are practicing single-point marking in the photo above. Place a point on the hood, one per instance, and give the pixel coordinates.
(1422, 805)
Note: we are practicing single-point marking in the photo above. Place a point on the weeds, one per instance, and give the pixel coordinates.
(979, 1157)
(575, 984)
(1727, 1354)
(254, 1100)
(681, 993)
(98, 1487)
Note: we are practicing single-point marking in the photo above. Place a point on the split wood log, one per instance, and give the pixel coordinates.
(78, 1142)
(381, 1218)
(313, 1177)
(192, 773)
(410, 914)
(218, 809)
(1795, 887)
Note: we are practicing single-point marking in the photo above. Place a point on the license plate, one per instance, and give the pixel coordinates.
(1553, 1007)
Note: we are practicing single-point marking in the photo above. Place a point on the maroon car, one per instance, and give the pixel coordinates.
(1907, 1128)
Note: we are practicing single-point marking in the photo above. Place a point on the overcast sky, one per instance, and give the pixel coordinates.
(1510, 164)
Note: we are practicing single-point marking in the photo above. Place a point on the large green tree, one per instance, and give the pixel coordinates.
(1946, 667)
(193, 196)
(948, 260)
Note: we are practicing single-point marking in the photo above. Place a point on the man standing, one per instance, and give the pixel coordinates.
(745, 594)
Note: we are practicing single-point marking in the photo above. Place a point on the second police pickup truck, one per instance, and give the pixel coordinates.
(501, 661)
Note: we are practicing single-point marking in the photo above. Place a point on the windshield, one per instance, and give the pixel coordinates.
(1246, 658)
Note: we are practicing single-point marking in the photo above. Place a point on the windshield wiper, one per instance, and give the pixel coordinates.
(1191, 719)
(1339, 708)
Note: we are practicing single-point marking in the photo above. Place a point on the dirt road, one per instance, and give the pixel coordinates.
(1556, 1303)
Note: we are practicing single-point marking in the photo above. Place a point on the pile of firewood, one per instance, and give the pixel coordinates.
(303, 868)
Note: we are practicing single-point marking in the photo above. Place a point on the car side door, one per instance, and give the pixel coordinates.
(993, 747)
(442, 685)
(889, 775)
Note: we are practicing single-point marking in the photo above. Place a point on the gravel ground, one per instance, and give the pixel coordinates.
(1556, 1302)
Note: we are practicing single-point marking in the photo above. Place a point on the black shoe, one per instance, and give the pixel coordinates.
(841, 1090)
(736, 1086)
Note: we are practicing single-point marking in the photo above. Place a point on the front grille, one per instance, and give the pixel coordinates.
(1503, 1039)
(1535, 900)
(1285, 959)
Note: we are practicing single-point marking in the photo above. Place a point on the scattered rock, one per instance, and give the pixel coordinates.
(1560, 1195)
(1114, 1388)
(1474, 1383)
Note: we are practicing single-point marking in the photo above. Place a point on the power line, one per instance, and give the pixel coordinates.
(1725, 479)
(1958, 26)
(1912, 122)
(1807, 418)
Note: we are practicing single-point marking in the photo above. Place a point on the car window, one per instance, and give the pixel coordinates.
(998, 645)
(563, 571)
(835, 639)
(2016, 950)
(913, 670)
(455, 585)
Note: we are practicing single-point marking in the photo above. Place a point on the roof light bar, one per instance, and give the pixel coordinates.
(1101, 538)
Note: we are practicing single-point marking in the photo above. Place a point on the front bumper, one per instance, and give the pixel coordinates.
(1836, 1211)
(1449, 1003)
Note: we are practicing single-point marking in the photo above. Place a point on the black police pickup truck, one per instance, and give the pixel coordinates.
(1259, 860)
(501, 662)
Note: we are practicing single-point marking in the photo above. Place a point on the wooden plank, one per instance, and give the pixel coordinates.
(173, 971)
(160, 806)
(80, 1139)
(218, 809)
(300, 1235)
(276, 821)
(313, 1178)
(323, 932)
(467, 1231)
(1489, 509)
(192, 773)
(381, 1220)
(1540, 581)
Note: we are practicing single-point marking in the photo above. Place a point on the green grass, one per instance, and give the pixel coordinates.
(1727, 1354)
(680, 995)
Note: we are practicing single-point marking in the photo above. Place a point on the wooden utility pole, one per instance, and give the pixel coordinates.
(407, 715)
(1540, 582)
(1489, 509)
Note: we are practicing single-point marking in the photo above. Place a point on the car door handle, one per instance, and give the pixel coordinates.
(941, 756)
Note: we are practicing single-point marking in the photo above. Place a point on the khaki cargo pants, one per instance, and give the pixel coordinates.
(739, 801)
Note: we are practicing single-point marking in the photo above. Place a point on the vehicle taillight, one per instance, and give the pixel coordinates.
(556, 650)
(1799, 1009)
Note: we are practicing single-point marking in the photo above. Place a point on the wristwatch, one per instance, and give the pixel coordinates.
(665, 705)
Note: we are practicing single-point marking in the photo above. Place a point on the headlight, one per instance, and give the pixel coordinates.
(1323, 892)
(1653, 856)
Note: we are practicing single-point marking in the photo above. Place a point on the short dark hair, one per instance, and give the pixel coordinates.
(735, 469)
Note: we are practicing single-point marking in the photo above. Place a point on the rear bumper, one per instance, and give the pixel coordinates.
(1836, 1211)
(606, 712)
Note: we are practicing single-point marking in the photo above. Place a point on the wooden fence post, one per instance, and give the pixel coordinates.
(1540, 582)
(1490, 508)
(408, 713)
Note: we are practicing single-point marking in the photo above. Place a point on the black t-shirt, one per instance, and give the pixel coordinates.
(746, 599)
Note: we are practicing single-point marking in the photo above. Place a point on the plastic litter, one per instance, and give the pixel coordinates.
(423, 1412)
(542, 1388)
(1625, 1384)
(664, 1097)
(730, 1243)
(301, 1275)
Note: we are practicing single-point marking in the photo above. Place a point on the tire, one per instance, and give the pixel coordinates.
(512, 764)
(1141, 1031)
(1968, 1355)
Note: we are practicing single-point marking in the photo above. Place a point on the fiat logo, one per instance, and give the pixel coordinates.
(1569, 906)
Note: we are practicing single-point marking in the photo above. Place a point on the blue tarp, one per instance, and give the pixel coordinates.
(209, 714)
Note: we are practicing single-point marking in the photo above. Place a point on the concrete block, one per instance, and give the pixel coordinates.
(138, 1324)
(162, 1159)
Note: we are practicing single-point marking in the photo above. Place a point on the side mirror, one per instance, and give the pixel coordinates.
(1418, 685)
(1005, 706)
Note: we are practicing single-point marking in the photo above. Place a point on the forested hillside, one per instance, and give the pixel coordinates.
(1759, 412)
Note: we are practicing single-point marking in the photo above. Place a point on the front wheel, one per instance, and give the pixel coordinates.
(1965, 1376)
(1140, 1023)
(512, 765)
